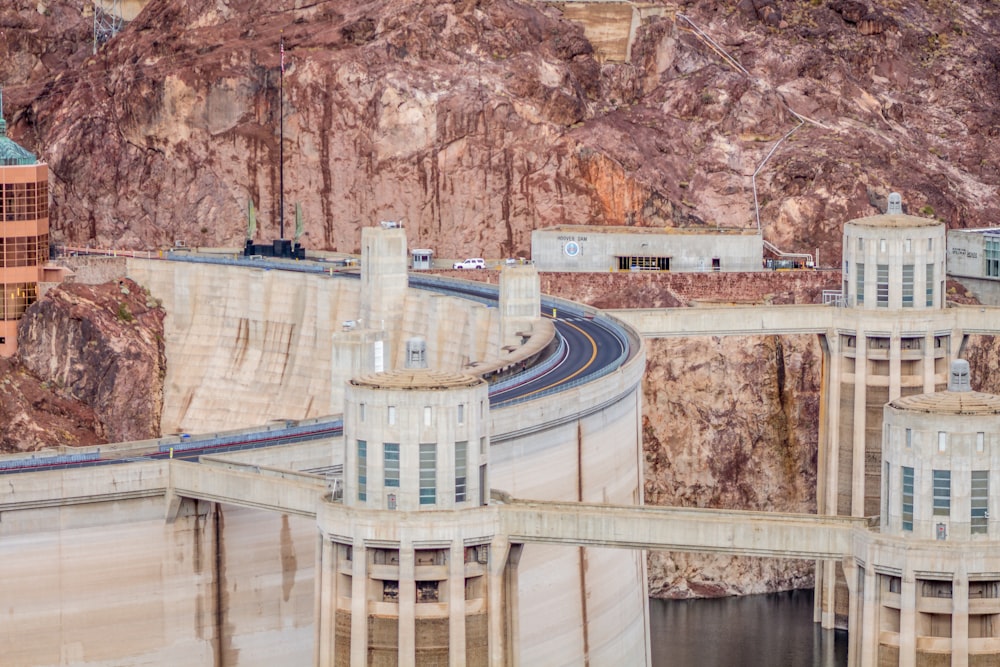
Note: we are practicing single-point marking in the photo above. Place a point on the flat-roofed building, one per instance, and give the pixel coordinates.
(603, 248)
(974, 258)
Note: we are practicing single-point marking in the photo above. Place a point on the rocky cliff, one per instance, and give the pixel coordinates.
(89, 369)
(476, 121)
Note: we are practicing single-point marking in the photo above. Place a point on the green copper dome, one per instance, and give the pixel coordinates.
(10, 153)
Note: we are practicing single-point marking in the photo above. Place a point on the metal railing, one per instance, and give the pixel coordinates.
(834, 298)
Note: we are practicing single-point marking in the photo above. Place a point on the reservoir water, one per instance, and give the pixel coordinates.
(774, 630)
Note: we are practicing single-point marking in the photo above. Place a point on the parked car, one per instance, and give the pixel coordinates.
(471, 263)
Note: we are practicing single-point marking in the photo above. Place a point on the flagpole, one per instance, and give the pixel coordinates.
(281, 144)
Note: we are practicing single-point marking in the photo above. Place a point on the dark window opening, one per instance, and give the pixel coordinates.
(643, 263)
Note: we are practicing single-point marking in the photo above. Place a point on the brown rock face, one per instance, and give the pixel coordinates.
(35, 415)
(102, 346)
(476, 122)
(730, 422)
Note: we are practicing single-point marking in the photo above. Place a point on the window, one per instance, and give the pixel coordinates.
(942, 441)
(907, 498)
(942, 492)
(861, 283)
(427, 415)
(482, 447)
(390, 457)
(24, 201)
(909, 437)
(391, 415)
(881, 245)
(461, 469)
(980, 501)
(16, 299)
(929, 281)
(361, 411)
(24, 250)
(362, 470)
(980, 441)
(882, 285)
(907, 245)
(992, 257)
(861, 245)
(461, 413)
(907, 286)
(428, 473)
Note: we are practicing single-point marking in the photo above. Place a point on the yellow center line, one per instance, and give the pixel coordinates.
(593, 355)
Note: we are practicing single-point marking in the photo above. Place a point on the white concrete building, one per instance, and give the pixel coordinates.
(927, 589)
(974, 258)
(605, 248)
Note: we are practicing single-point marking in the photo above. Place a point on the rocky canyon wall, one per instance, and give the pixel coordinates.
(89, 369)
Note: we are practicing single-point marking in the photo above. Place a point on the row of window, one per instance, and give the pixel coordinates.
(941, 497)
(882, 285)
(390, 413)
(933, 588)
(942, 440)
(883, 245)
(16, 299)
(428, 470)
(24, 201)
(24, 250)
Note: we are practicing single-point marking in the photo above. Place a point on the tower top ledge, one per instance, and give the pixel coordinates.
(419, 379)
(950, 403)
(895, 221)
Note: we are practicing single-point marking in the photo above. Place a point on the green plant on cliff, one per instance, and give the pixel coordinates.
(124, 314)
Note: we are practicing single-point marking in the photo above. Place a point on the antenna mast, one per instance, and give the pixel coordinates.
(281, 144)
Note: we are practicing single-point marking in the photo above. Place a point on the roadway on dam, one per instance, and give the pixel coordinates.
(589, 346)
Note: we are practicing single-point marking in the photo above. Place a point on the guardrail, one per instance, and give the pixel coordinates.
(288, 434)
(43, 461)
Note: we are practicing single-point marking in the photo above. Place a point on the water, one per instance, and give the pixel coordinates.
(774, 630)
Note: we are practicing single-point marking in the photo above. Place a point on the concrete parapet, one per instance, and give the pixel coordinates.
(247, 485)
(682, 529)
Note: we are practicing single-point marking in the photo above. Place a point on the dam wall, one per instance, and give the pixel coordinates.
(94, 575)
(248, 345)
(110, 569)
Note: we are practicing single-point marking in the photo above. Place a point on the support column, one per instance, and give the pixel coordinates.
(960, 619)
(456, 604)
(495, 600)
(407, 621)
(510, 609)
(826, 572)
(895, 365)
(929, 362)
(858, 436)
(325, 610)
(853, 634)
(908, 620)
(868, 622)
(359, 604)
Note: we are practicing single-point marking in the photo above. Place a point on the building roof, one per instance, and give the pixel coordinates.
(622, 229)
(895, 221)
(950, 403)
(12, 154)
(416, 379)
